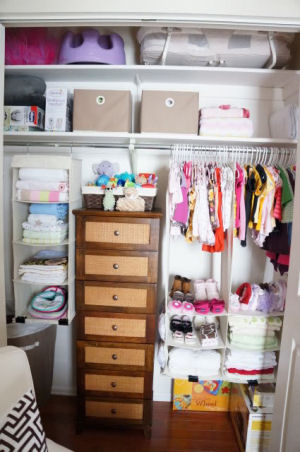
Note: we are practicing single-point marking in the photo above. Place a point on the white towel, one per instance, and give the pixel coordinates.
(194, 362)
(42, 185)
(37, 219)
(44, 174)
(284, 123)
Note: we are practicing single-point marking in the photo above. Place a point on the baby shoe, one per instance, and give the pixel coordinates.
(175, 307)
(212, 289)
(186, 285)
(217, 306)
(188, 308)
(177, 284)
(186, 324)
(178, 295)
(189, 297)
(234, 303)
(200, 290)
(175, 323)
(190, 339)
(244, 291)
(202, 307)
(178, 337)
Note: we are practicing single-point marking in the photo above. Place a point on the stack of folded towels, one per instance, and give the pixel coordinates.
(50, 304)
(46, 224)
(45, 267)
(194, 362)
(254, 333)
(225, 121)
(42, 185)
(248, 365)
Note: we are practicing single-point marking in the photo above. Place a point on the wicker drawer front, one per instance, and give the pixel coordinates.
(114, 410)
(117, 233)
(116, 265)
(113, 383)
(115, 327)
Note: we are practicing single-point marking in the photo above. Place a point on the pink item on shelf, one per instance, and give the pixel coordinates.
(224, 111)
(217, 306)
(212, 289)
(30, 46)
(188, 308)
(200, 289)
(226, 127)
(175, 306)
(202, 307)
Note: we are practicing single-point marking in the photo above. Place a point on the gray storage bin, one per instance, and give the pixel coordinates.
(38, 341)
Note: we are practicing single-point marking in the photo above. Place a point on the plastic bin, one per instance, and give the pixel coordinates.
(38, 341)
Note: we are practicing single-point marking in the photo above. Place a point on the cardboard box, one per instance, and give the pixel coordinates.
(23, 118)
(206, 395)
(170, 112)
(58, 109)
(102, 111)
(252, 428)
(262, 395)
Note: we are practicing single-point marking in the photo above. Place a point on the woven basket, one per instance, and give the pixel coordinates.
(93, 201)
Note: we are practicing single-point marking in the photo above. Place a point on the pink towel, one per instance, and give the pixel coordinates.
(224, 111)
(226, 127)
(41, 196)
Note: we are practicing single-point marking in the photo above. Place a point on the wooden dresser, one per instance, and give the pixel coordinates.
(116, 277)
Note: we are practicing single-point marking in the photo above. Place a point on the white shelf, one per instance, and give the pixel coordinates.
(171, 374)
(170, 342)
(263, 350)
(29, 283)
(42, 202)
(139, 139)
(256, 314)
(48, 321)
(267, 78)
(227, 377)
(197, 315)
(42, 245)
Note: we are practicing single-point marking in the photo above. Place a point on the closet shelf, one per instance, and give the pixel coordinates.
(41, 245)
(229, 378)
(170, 342)
(199, 316)
(64, 321)
(171, 374)
(273, 349)
(29, 283)
(115, 139)
(267, 78)
(256, 314)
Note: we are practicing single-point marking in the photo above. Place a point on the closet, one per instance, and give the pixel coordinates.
(261, 90)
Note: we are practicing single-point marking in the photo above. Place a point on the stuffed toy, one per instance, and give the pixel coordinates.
(105, 170)
(131, 201)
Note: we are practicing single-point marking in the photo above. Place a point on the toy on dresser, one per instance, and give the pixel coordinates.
(112, 190)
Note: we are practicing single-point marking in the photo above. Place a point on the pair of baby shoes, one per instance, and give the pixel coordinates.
(181, 284)
(206, 289)
(178, 307)
(182, 330)
(205, 306)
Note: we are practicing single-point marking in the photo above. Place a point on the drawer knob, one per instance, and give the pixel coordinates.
(114, 356)
(115, 327)
(113, 384)
(116, 233)
(116, 266)
(115, 297)
(113, 411)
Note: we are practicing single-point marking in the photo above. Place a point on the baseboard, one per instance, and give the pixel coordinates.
(162, 397)
(61, 390)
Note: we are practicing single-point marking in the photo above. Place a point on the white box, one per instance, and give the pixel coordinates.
(58, 109)
(252, 428)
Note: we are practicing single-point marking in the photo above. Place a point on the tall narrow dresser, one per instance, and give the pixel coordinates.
(116, 282)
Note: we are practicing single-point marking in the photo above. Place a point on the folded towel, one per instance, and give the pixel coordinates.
(194, 362)
(44, 228)
(46, 279)
(245, 378)
(44, 241)
(226, 127)
(42, 185)
(224, 111)
(41, 196)
(44, 174)
(59, 210)
(284, 123)
(36, 219)
(257, 321)
(44, 234)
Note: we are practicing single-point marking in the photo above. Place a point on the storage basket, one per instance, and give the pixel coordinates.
(93, 196)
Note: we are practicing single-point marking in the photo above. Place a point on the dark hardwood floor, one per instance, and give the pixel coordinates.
(171, 431)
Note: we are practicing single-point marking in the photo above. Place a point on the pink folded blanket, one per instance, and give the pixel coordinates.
(41, 196)
(224, 111)
(226, 127)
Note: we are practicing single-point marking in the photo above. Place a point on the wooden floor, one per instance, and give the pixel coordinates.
(171, 431)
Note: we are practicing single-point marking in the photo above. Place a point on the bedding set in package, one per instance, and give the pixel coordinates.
(49, 304)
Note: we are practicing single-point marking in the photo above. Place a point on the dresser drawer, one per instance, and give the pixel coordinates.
(110, 383)
(117, 232)
(104, 355)
(116, 327)
(129, 266)
(116, 297)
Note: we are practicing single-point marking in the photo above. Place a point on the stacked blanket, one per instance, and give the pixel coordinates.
(42, 185)
(44, 270)
(250, 365)
(225, 121)
(45, 224)
(194, 362)
(254, 333)
(50, 304)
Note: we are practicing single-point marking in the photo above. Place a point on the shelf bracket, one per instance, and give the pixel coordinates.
(132, 156)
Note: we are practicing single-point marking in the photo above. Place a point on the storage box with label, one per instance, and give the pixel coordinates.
(58, 116)
(23, 118)
(102, 110)
(206, 395)
(170, 112)
(252, 428)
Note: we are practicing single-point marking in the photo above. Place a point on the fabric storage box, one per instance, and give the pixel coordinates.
(170, 112)
(206, 395)
(102, 111)
(93, 196)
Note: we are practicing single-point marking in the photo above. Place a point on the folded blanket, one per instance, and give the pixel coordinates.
(284, 123)
(45, 241)
(226, 127)
(36, 219)
(44, 174)
(44, 228)
(42, 185)
(194, 362)
(252, 332)
(48, 315)
(243, 321)
(224, 111)
(59, 210)
(47, 279)
(44, 234)
(245, 378)
(41, 196)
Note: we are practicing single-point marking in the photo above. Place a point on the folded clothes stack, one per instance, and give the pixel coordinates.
(42, 185)
(194, 362)
(254, 333)
(250, 365)
(45, 224)
(45, 267)
(50, 304)
(225, 121)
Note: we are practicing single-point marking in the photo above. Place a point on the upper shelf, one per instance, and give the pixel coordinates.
(268, 78)
(138, 139)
